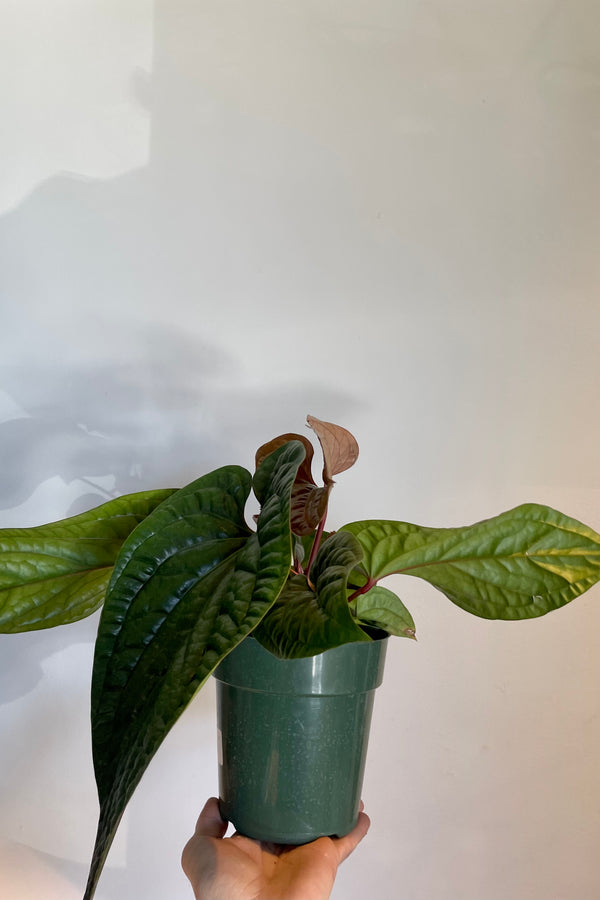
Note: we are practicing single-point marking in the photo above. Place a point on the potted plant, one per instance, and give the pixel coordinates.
(190, 589)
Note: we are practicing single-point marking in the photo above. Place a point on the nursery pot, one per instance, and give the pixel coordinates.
(292, 738)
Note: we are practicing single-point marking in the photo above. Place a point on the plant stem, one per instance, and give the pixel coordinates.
(315, 547)
(363, 590)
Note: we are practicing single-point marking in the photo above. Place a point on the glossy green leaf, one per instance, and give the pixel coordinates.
(383, 608)
(190, 583)
(306, 620)
(520, 564)
(57, 573)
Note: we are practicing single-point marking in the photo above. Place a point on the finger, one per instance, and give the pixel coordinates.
(210, 822)
(346, 844)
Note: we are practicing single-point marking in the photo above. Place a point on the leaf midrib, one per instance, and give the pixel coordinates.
(72, 574)
(66, 525)
(21, 619)
(487, 557)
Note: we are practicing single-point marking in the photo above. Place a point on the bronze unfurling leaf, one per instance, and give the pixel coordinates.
(309, 501)
(340, 449)
(305, 470)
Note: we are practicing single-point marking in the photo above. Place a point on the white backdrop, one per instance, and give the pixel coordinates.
(217, 217)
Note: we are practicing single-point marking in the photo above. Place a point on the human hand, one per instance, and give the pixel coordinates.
(239, 868)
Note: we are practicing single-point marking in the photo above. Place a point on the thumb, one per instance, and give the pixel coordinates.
(210, 822)
(349, 842)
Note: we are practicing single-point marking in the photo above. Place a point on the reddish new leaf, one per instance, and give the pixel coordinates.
(305, 470)
(340, 449)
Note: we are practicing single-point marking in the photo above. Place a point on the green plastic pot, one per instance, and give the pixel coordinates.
(292, 738)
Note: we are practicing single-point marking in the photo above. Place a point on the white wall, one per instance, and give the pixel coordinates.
(219, 216)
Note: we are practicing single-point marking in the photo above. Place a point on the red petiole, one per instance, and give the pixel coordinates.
(363, 590)
(315, 547)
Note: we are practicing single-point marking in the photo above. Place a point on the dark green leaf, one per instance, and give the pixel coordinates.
(518, 565)
(190, 583)
(57, 573)
(384, 609)
(305, 621)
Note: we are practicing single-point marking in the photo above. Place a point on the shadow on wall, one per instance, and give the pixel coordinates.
(144, 422)
(157, 421)
(62, 878)
(22, 655)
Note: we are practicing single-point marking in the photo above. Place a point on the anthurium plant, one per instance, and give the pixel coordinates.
(183, 578)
